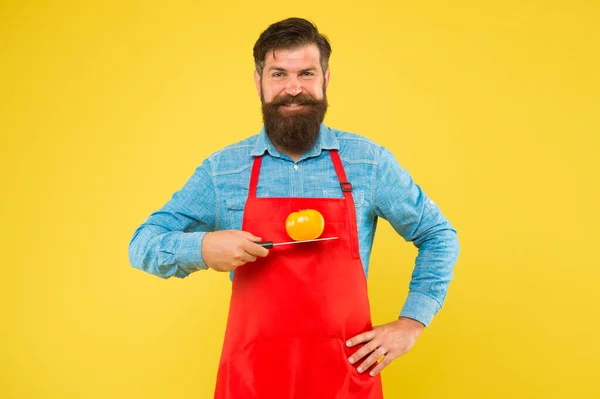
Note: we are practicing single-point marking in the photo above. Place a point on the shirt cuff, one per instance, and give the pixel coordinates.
(188, 251)
(420, 307)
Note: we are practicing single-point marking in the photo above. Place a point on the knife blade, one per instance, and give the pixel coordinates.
(271, 244)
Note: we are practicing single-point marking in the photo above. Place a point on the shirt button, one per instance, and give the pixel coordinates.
(296, 167)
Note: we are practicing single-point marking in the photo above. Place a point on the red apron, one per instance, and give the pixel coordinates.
(292, 312)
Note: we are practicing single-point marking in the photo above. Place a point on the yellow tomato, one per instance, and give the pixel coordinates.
(306, 224)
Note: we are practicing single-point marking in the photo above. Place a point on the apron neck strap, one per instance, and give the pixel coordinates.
(254, 177)
(347, 191)
(341, 174)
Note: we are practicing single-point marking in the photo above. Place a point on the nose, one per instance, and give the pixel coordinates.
(293, 87)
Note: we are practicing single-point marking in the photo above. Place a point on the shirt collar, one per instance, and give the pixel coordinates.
(325, 141)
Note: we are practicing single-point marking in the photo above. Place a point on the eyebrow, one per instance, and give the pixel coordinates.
(275, 68)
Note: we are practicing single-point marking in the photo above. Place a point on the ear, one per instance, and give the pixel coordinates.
(257, 81)
(327, 78)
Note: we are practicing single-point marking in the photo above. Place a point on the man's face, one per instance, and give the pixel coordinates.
(292, 91)
(291, 72)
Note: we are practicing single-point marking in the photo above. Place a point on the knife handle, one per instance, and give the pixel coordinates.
(266, 244)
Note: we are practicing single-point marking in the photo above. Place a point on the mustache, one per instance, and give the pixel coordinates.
(300, 99)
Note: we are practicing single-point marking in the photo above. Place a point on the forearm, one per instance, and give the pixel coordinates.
(165, 253)
(438, 252)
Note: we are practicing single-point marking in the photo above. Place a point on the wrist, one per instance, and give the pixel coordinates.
(412, 325)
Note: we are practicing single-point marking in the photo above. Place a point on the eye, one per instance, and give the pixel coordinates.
(308, 73)
(277, 74)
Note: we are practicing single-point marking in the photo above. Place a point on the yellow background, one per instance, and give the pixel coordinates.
(106, 108)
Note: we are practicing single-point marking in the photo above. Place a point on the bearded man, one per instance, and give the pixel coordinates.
(299, 321)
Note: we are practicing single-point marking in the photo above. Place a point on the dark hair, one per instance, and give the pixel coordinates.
(288, 34)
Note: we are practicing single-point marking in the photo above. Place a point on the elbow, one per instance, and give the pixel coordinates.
(453, 244)
(449, 238)
(145, 257)
(136, 256)
(441, 243)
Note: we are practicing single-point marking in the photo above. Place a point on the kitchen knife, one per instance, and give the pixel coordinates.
(271, 244)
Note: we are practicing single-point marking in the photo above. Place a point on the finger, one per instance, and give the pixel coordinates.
(383, 364)
(376, 354)
(364, 351)
(235, 263)
(255, 249)
(241, 257)
(246, 257)
(360, 338)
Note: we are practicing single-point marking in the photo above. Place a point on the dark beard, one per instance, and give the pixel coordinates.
(294, 131)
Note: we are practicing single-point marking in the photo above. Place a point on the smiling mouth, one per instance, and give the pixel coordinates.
(292, 106)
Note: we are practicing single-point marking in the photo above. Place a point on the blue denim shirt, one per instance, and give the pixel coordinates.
(169, 242)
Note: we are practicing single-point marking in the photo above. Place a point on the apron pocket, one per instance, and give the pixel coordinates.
(287, 368)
